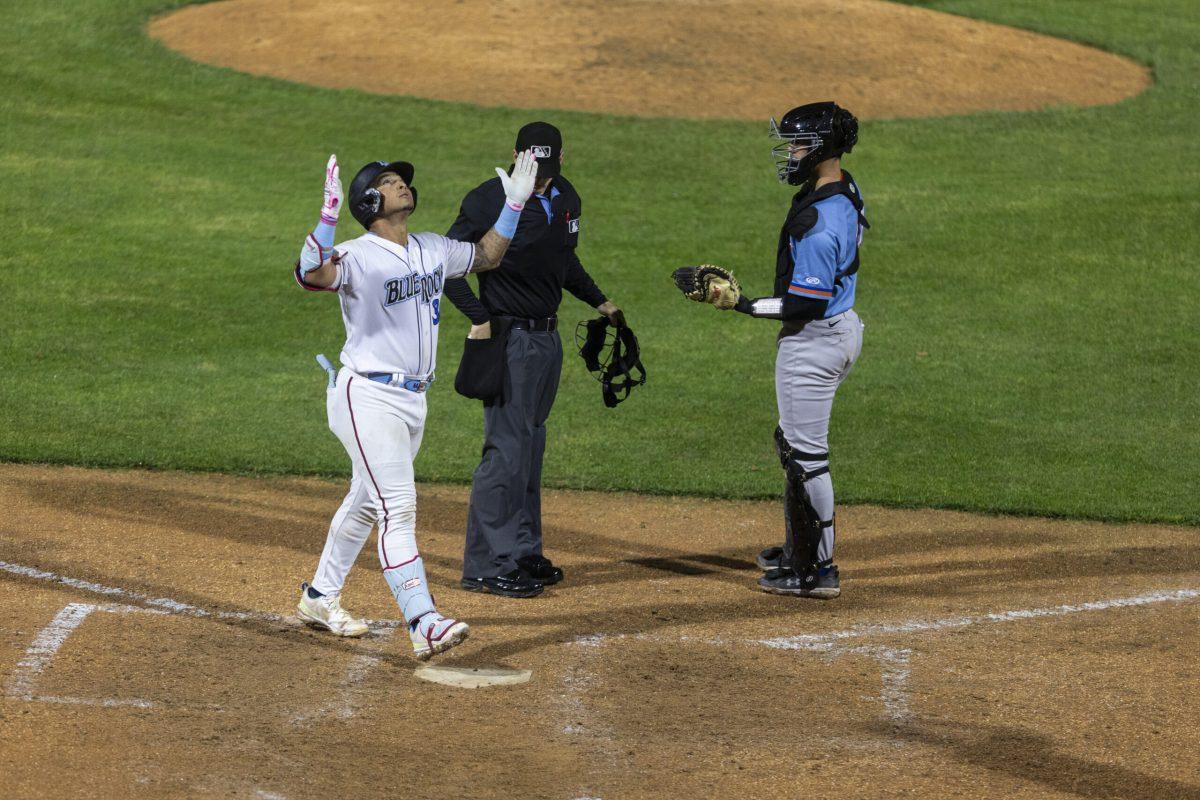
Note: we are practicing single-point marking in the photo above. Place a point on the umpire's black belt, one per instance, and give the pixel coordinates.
(546, 325)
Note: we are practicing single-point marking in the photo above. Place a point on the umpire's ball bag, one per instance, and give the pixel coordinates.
(481, 371)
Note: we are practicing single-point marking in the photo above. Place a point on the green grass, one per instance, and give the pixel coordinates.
(1029, 286)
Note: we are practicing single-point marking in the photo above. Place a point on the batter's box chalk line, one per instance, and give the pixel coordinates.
(894, 662)
(344, 703)
(22, 684)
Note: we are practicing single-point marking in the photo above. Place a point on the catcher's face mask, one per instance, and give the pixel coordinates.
(614, 368)
(796, 154)
(808, 135)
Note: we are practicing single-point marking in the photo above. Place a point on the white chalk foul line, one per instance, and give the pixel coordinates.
(165, 604)
(820, 641)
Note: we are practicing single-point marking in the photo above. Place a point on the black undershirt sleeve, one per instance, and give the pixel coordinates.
(580, 284)
(458, 292)
(789, 308)
(468, 227)
(471, 224)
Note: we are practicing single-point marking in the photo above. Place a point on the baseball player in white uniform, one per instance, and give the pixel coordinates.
(389, 282)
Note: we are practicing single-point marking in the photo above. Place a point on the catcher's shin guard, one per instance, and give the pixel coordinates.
(803, 525)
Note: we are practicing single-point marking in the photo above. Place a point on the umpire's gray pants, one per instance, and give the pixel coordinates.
(809, 368)
(504, 522)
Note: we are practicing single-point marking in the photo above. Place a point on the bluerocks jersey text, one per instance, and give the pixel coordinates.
(376, 280)
(426, 286)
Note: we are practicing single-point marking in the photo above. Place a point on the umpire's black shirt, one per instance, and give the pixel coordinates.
(540, 261)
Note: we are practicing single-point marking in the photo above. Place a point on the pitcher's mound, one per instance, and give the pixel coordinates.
(746, 59)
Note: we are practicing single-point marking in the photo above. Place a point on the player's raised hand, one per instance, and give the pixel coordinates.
(333, 193)
(519, 186)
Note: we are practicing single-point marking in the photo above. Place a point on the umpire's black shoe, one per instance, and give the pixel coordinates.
(541, 569)
(822, 583)
(771, 558)
(511, 584)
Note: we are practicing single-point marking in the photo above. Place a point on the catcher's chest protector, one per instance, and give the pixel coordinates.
(800, 220)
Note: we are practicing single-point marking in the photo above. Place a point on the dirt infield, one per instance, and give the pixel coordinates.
(744, 59)
(147, 651)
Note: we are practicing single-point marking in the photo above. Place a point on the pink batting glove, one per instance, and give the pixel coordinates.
(333, 193)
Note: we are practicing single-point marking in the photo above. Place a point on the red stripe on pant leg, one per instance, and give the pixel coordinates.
(371, 475)
(402, 563)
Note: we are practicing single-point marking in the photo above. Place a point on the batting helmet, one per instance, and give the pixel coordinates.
(821, 130)
(366, 202)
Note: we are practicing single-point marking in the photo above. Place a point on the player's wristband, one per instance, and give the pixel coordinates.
(323, 233)
(766, 307)
(506, 223)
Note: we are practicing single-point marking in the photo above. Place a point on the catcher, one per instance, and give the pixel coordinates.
(821, 338)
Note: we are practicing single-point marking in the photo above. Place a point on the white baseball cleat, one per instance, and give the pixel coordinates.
(327, 612)
(435, 634)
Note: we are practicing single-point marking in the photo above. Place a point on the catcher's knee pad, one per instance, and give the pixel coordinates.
(796, 470)
(790, 457)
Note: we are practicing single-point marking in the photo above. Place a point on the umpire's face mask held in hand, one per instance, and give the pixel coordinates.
(614, 369)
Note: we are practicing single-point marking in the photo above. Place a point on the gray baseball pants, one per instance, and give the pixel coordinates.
(504, 522)
(809, 367)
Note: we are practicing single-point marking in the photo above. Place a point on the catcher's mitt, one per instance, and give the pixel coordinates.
(708, 284)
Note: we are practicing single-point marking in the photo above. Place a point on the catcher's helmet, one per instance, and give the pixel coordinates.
(365, 201)
(824, 130)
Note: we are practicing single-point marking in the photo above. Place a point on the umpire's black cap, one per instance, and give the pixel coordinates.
(546, 142)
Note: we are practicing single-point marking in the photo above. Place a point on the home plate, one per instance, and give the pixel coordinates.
(472, 677)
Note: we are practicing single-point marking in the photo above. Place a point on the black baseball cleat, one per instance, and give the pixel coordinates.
(771, 558)
(822, 583)
(541, 569)
(511, 584)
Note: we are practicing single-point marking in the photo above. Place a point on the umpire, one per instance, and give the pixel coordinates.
(519, 300)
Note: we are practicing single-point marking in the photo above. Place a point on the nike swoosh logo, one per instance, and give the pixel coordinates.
(832, 324)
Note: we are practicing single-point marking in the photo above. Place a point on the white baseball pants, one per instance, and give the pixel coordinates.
(381, 427)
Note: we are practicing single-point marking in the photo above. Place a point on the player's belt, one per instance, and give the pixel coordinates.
(792, 327)
(396, 379)
(547, 325)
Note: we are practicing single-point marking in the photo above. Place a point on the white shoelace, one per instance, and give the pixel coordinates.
(336, 612)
